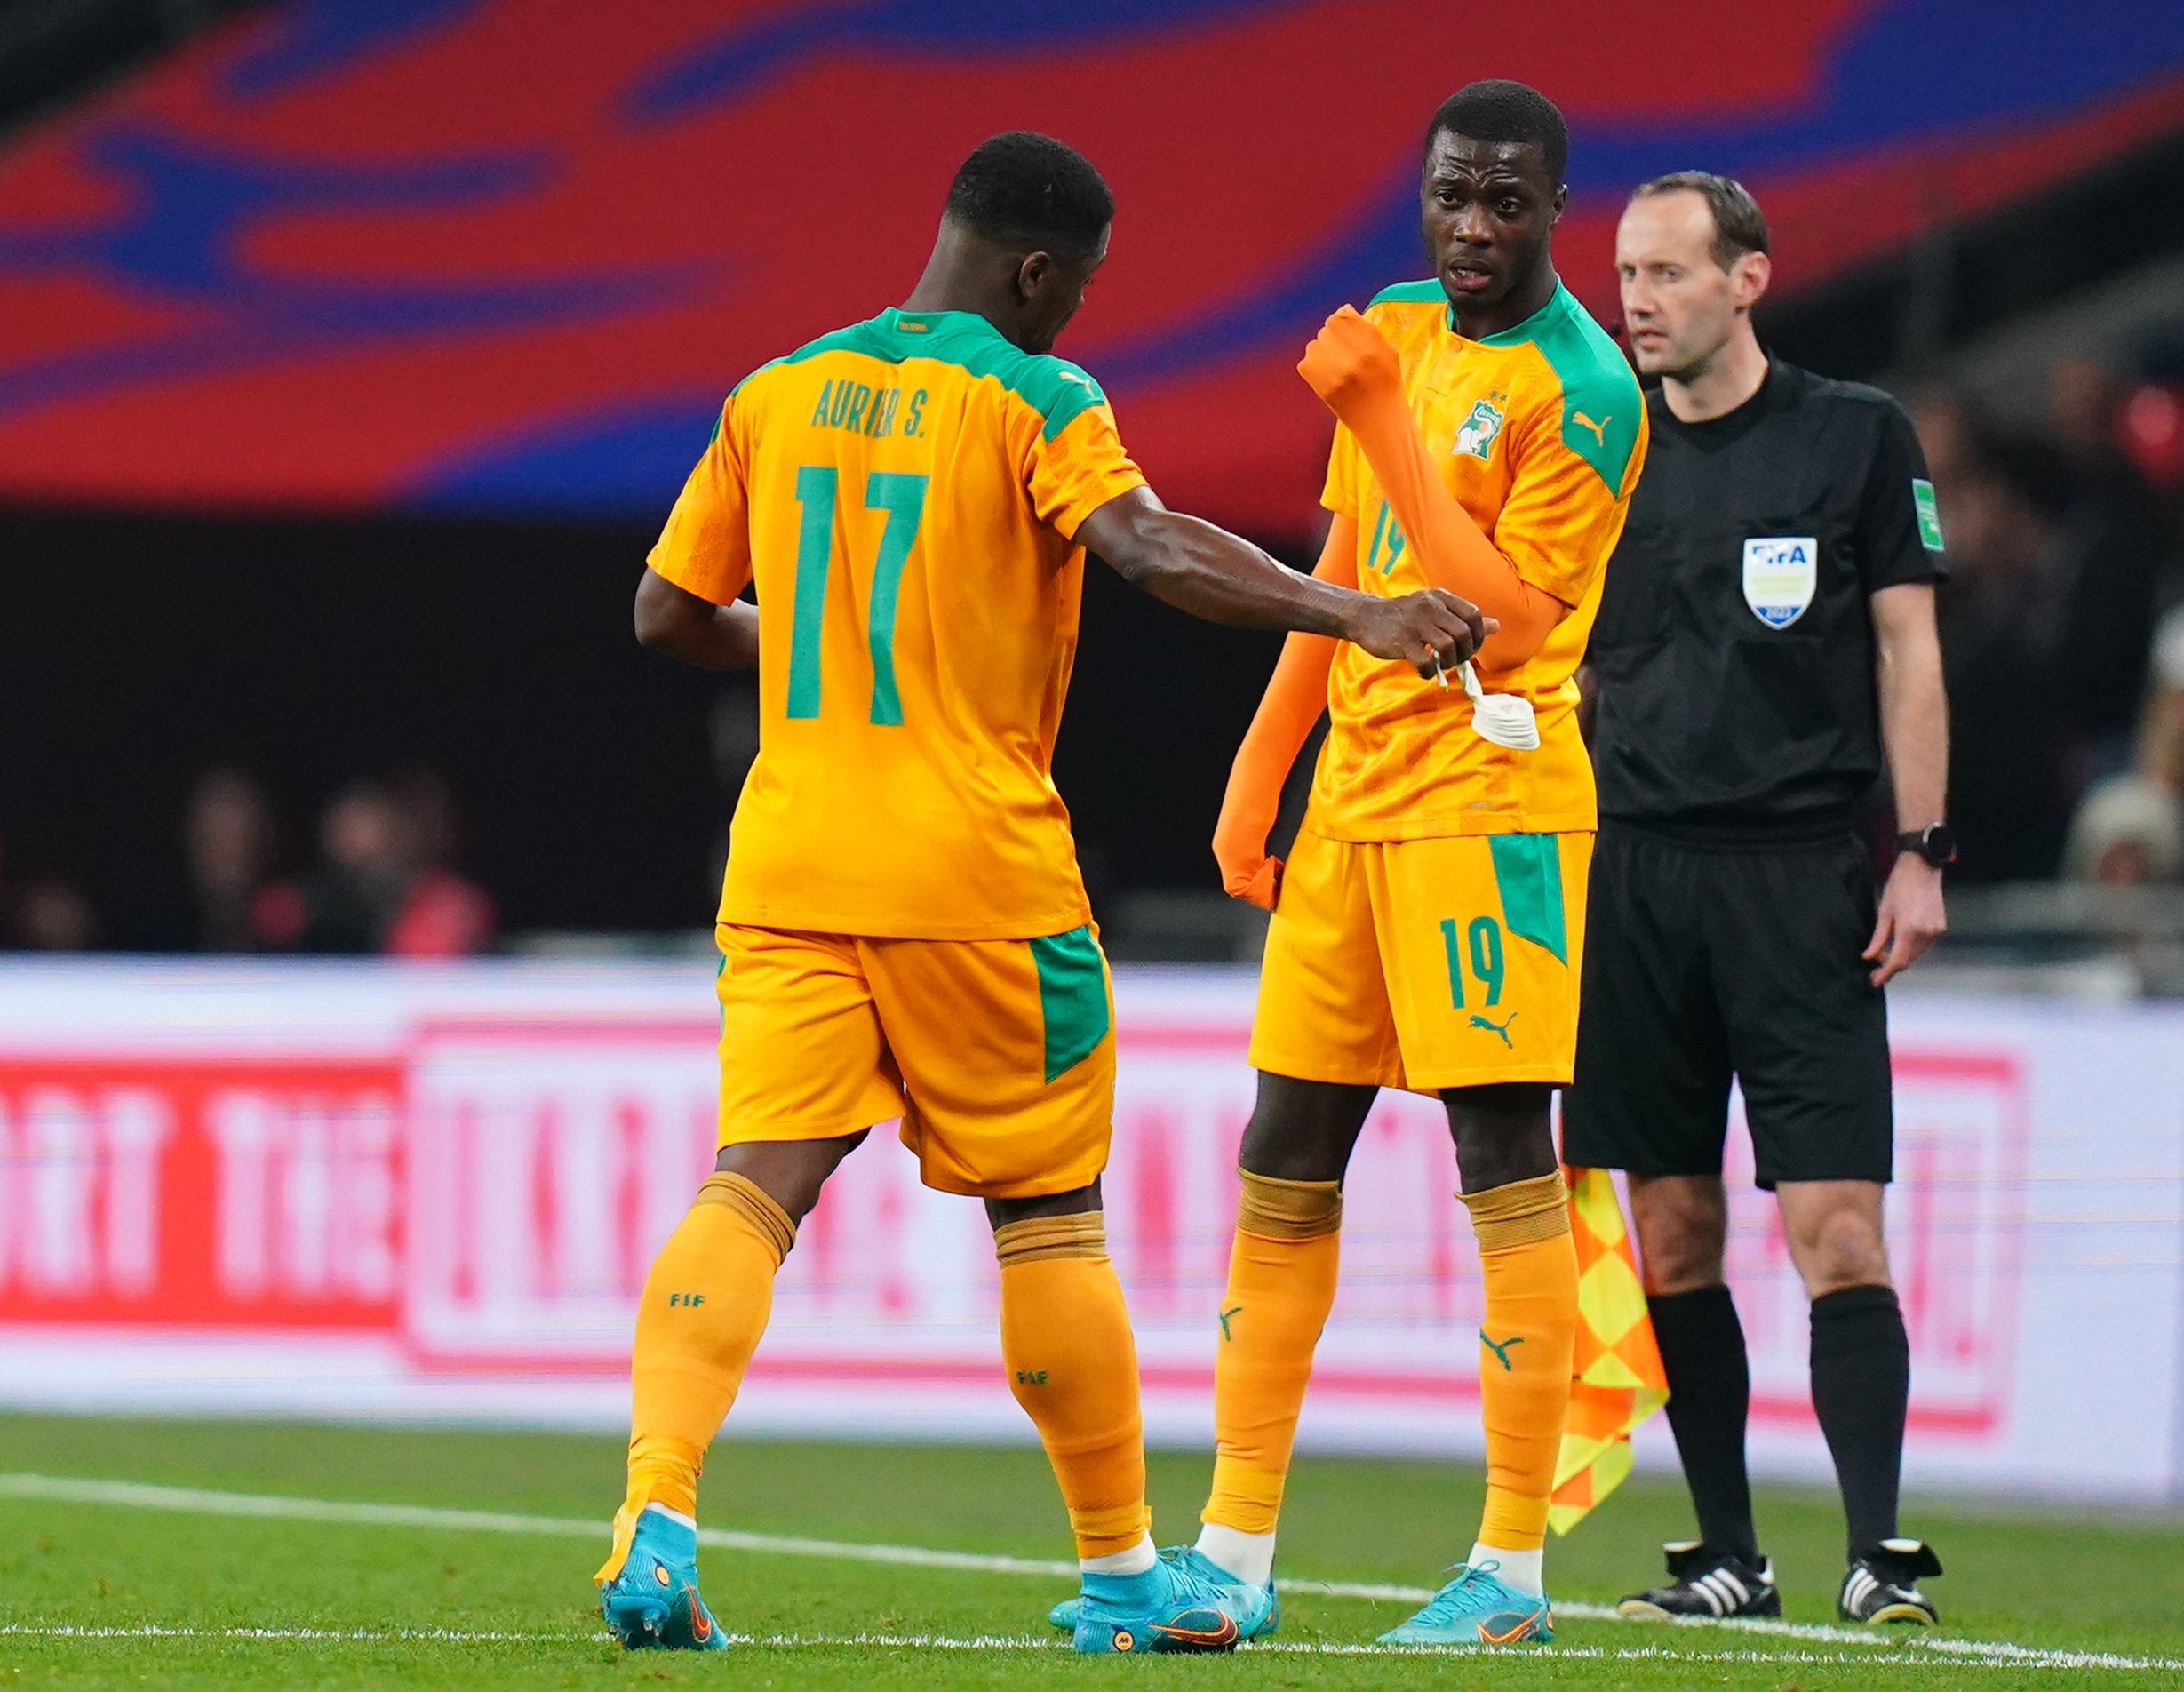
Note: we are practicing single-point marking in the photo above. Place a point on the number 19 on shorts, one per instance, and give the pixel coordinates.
(1479, 945)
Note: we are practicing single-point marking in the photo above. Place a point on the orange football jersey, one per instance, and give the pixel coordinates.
(904, 492)
(1540, 433)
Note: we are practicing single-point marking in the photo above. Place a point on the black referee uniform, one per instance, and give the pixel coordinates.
(1736, 737)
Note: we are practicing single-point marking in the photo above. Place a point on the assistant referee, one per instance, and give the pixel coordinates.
(1766, 643)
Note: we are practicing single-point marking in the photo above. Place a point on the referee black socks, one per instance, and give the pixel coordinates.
(1861, 1386)
(1709, 1394)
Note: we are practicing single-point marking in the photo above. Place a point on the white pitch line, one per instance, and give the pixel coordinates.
(195, 1501)
(1907, 1658)
(323, 1635)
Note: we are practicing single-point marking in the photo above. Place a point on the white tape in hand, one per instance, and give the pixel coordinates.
(1504, 719)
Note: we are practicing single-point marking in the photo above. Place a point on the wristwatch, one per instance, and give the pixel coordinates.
(1936, 843)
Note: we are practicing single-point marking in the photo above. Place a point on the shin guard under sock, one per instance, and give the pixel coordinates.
(1072, 1364)
(1529, 1263)
(1709, 1399)
(1862, 1388)
(1282, 1270)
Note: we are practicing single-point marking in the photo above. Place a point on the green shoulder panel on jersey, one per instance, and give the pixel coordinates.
(857, 338)
(1428, 292)
(1056, 389)
(1601, 404)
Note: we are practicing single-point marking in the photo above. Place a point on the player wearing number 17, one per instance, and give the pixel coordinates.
(903, 929)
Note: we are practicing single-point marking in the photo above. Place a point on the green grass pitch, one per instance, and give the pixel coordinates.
(115, 1594)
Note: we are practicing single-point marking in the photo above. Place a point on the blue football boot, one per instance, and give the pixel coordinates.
(1257, 1609)
(1475, 1609)
(1171, 1607)
(648, 1587)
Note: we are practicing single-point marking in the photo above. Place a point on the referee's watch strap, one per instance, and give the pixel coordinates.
(1936, 843)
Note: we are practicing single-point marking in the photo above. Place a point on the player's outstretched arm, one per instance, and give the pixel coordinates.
(1211, 574)
(1357, 374)
(1295, 696)
(674, 621)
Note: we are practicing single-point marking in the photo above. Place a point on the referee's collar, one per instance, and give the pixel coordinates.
(1774, 388)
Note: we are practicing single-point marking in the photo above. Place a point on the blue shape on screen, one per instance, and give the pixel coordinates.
(631, 460)
(183, 222)
(738, 59)
(314, 39)
(1908, 74)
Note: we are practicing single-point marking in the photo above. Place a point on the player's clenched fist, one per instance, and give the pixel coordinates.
(1349, 361)
(1431, 630)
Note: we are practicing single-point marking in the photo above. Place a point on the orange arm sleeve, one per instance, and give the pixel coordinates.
(1295, 697)
(1352, 367)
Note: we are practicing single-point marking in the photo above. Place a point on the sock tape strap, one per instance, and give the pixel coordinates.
(1278, 1209)
(750, 1201)
(1046, 1239)
(1521, 1213)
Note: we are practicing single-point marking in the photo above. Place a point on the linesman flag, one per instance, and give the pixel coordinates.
(1618, 1379)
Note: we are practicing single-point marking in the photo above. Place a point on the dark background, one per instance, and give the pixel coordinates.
(136, 653)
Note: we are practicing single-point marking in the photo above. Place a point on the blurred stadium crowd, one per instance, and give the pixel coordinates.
(2062, 626)
(381, 880)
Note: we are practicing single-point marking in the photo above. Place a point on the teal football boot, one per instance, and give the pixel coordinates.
(1171, 1607)
(1257, 1609)
(1475, 1609)
(650, 1592)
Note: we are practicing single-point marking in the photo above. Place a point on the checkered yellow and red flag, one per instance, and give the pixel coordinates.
(1618, 1379)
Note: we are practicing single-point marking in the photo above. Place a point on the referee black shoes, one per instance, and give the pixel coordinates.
(1705, 1583)
(1884, 1586)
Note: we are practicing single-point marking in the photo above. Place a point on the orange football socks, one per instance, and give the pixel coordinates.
(1282, 1270)
(1530, 1266)
(705, 1305)
(1072, 1364)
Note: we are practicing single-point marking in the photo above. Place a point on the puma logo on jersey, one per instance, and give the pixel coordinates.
(1599, 429)
(1499, 1030)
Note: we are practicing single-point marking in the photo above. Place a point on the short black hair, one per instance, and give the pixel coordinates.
(1740, 226)
(1027, 189)
(1504, 111)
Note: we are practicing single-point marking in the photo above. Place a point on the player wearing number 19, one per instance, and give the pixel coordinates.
(903, 929)
(1428, 928)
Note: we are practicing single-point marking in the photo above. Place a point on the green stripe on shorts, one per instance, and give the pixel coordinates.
(1072, 997)
(1528, 871)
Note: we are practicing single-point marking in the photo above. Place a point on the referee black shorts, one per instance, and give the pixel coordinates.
(1703, 962)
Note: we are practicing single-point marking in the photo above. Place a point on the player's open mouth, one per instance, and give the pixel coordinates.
(1468, 278)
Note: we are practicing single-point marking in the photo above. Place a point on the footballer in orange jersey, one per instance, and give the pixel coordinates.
(903, 929)
(1428, 925)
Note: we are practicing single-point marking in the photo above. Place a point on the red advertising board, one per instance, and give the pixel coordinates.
(462, 1177)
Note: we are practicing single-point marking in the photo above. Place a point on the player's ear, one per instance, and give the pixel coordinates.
(1749, 279)
(1033, 275)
